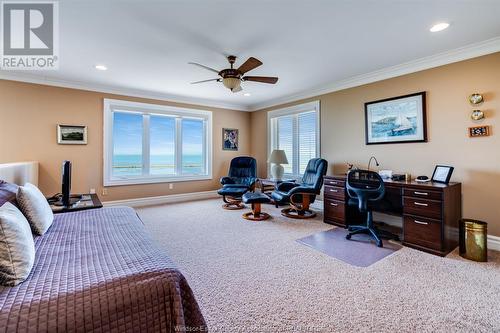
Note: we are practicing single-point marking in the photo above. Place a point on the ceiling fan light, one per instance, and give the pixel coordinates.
(231, 82)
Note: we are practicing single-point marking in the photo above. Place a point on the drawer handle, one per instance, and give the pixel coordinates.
(333, 190)
(333, 183)
(421, 204)
(334, 204)
(421, 193)
(420, 222)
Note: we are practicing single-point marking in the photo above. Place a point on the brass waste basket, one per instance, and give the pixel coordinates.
(473, 242)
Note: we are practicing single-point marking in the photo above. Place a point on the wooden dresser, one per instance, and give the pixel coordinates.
(430, 211)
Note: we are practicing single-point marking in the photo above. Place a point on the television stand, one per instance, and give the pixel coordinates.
(78, 202)
(73, 199)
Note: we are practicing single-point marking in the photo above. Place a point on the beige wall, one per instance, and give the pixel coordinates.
(29, 114)
(476, 160)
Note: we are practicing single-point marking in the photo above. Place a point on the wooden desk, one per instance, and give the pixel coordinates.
(430, 211)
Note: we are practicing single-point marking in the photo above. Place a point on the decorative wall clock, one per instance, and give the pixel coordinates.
(476, 99)
(477, 115)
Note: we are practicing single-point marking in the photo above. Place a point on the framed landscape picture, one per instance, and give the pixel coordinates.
(71, 135)
(396, 120)
(230, 139)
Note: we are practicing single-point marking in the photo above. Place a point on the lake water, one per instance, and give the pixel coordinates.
(131, 165)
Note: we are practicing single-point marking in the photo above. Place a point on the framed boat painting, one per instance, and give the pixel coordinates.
(399, 119)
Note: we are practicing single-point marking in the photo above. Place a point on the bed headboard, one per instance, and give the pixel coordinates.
(20, 173)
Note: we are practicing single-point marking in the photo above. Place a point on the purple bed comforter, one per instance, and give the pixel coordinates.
(98, 271)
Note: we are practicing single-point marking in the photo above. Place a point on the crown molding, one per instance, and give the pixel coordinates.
(463, 53)
(115, 90)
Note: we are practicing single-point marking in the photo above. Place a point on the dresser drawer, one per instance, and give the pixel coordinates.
(334, 192)
(334, 210)
(422, 207)
(334, 182)
(424, 194)
(422, 231)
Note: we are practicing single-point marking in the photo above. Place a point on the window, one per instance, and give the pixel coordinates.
(296, 131)
(148, 143)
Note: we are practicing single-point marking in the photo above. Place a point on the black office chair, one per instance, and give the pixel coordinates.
(301, 195)
(365, 188)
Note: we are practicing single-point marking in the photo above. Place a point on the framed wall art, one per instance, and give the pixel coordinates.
(399, 119)
(71, 135)
(230, 137)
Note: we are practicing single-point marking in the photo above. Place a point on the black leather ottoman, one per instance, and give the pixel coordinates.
(231, 194)
(256, 199)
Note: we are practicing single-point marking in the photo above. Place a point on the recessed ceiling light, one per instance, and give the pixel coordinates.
(101, 67)
(246, 94)
(439, 27)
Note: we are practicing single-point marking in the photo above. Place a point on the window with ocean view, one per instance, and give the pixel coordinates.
(192, 147)
(146, 143)
(127, 151)
(296, 131)
(162, 143)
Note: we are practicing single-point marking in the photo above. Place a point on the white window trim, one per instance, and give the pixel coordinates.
(111, 105)
(310, 106)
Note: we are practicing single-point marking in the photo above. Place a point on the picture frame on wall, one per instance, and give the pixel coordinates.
(442, 174)
(399, 119)
(230, 139)
(71, 134)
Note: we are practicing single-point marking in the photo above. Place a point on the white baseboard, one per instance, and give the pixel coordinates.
(149, 201)
(493, 243)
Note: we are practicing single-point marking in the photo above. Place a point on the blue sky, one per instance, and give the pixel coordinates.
(127, 135)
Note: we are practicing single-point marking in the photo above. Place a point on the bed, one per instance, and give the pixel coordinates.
(99, 271)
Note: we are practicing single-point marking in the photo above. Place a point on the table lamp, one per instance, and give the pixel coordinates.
(277, 157)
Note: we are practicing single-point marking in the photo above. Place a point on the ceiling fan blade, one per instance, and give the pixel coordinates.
(238, 89)
(263, 79)
(250, 64)
(205, 81)
(203, 66)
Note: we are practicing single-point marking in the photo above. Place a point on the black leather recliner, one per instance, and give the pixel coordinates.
(300, 195)
(241, 179)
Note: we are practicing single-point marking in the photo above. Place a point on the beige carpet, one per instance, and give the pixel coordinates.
(254, 277)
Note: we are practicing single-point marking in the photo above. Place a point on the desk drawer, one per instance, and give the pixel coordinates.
(422, 231)
(424, 194)
(334, 192)
(334, 210)
(421, 207)
(334, 182)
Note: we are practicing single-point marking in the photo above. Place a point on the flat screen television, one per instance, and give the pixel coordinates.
(65, 198)
(66, 183)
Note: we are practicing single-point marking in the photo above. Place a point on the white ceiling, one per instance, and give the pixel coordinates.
(309, 45)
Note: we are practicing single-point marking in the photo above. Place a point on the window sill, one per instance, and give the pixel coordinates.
(154, 180)
(294, 177)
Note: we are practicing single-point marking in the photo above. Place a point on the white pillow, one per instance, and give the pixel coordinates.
(35, 207)
(17, 248)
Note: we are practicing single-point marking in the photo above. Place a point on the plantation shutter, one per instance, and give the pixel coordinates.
(297, 135)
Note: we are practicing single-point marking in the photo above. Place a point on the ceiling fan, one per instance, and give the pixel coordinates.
(231, 78)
